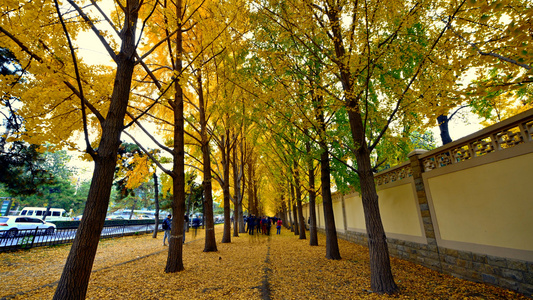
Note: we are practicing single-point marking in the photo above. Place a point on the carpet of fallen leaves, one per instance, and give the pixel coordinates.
(250, 267)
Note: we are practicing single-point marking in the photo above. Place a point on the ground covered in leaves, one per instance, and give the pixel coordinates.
(250, 267)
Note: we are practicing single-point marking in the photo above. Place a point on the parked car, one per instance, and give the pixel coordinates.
(54, 214)
(145, 217)
(11, 225)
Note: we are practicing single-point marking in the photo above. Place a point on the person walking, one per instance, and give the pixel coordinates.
(263, 225)
(278, 226)
(268, 225)
(258, 224)
(251, 224)
(195, 224)
(185, 225)
(166, 227)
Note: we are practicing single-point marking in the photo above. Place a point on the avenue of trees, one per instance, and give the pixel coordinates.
(271, 103)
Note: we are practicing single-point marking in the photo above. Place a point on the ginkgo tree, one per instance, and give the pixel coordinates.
(63, 96)
(325, 70)
(291, 84)
(203, 41)
(376, 52)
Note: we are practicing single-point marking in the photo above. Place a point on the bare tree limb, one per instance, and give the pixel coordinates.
(88, 146)
(93, 109)
(106, 45)
(170, 173)
(407, 88)
(478, 50)
(150, 135)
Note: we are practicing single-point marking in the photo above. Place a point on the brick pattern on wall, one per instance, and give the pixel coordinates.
(516, 275)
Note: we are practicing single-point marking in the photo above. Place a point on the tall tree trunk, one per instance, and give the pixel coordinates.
(381, 279)
(133, 207)
(251, 209)
(210, 241)
(240, 222)
(156, 201)
(298, 189)
(295, 217)
(332, 244)
(294, 212)
(226, 238)
(237, 193)
(381, 275)
(244, 149)
(313, 236)
(284, 219)
(443, 122)
(291, 225)
(175, 251)
(76, 273)
(242, 227)
(188, 210)
(75, 277)
(256, 198)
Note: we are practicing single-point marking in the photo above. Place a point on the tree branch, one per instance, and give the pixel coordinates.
(110, 50)
(170, 173)
(88, 146)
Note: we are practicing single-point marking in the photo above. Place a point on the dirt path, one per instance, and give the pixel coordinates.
(250, 267)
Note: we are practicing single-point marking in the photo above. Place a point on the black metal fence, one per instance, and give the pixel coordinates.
(26, 239)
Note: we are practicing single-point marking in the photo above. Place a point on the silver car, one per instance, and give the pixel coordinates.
(11, 225)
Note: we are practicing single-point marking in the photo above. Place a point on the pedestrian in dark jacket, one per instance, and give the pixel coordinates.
(258, 224)
(185, 225)
(251, 225)
(268, 225)
(195, 224)
(166, 227)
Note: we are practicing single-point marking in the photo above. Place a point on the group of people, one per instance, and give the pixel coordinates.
(168, 222)
(253, 223)
(262, 224)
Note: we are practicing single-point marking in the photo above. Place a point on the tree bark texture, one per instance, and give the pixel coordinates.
(226, 237)
(256, 198)
(242, 228)
(294, 212)
(443, 122)
(289, 206)
(313, 235)
(76, 273)
(332, 244)
(175, 251)
(301, 220)
(156, 201)
(210, 241)
(381, 279)
(251, 210)
(237, 198)
(284, 219)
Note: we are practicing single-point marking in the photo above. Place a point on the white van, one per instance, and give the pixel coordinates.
(54, 214)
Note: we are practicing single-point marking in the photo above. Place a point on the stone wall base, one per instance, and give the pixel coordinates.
(512, 274)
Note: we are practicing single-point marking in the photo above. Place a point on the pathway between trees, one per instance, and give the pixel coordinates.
(251, 267)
